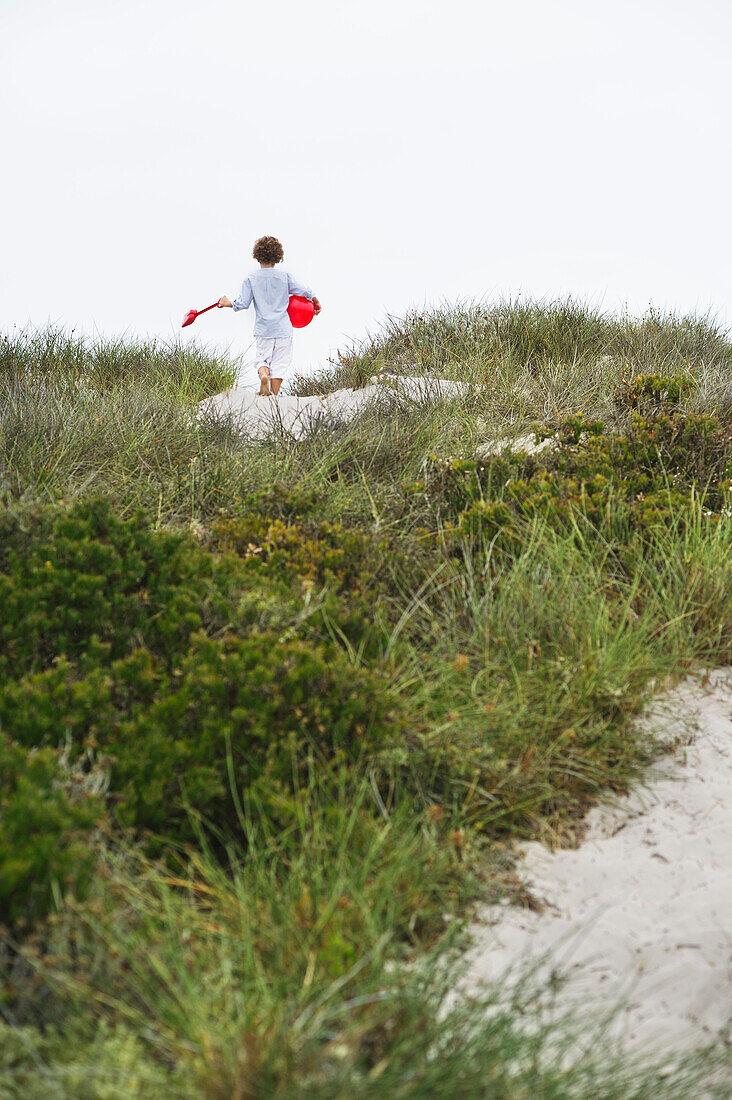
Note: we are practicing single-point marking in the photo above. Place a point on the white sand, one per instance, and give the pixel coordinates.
(523, 444)
(642, 910)
(293, 416)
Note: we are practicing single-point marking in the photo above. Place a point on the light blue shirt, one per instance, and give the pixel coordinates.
(270, 291)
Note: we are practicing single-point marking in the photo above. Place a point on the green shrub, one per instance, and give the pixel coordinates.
(325, 553)
(651, 393)
(43, 831)
(71, 576)
(106, 645)
(647, 472)
(280, 501)
(353, 571)
(102, 1063)
(619, 482)
(246, 712)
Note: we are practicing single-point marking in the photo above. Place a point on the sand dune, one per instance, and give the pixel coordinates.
(259, 416)
(642, 910)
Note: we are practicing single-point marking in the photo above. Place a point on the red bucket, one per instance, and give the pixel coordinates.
(301, 311)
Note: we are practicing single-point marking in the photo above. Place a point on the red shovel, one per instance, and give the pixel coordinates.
(193, 313)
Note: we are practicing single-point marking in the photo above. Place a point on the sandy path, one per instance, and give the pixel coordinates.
(642, 910)
(259, 416)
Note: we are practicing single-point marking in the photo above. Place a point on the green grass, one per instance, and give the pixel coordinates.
(287, 930)
(534, 347)
(277, 979)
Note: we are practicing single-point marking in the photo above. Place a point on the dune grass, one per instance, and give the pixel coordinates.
(221, 982)
(517, 610)
(521, 340)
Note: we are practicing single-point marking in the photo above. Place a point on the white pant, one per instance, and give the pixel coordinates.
(274, 353)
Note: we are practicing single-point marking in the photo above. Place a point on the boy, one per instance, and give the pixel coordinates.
(270, 291)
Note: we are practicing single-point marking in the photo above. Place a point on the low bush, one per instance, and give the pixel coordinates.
(72, 575)
(190, 678)
(620, 482)
(235, 716)
(651, 393)
(324, 554)
(45, 826)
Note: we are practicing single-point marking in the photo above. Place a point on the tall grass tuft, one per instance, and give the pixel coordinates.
(552, 355)
(51, 356)
(276, 978)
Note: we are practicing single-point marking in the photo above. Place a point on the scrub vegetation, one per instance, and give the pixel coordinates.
(273, 714)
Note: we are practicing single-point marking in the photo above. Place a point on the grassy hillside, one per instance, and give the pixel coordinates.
(273, 714)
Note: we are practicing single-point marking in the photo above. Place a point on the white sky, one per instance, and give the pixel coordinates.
(404, 152)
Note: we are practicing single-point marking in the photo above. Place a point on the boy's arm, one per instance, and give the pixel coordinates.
(243, 301)
(293, 287)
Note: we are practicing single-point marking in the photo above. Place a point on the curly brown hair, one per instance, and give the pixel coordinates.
(268, 250)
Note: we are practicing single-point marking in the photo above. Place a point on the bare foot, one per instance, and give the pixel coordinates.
(275, 383)
(263, 382)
